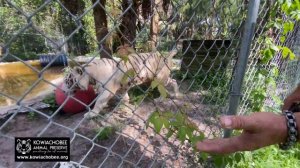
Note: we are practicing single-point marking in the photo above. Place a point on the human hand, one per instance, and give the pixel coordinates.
(291, 99)
(259, 130)
(289, 102)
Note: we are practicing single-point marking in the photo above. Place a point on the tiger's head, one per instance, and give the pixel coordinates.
(23, 146)
(75, 78)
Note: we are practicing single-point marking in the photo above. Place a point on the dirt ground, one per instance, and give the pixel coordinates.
(133, 145)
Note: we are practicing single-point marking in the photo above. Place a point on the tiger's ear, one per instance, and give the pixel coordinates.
(78, 70)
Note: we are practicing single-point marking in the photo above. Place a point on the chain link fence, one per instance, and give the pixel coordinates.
(259, 73)
(206, 36)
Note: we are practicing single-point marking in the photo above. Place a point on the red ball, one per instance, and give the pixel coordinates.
(72, 105)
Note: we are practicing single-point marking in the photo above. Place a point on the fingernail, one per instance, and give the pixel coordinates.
(226, 122)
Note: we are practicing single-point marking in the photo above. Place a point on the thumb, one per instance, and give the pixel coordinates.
(237, 122)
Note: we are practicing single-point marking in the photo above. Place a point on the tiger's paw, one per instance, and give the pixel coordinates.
(179, 95)
(90, 115)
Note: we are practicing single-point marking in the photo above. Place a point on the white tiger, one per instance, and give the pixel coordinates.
(107, 75)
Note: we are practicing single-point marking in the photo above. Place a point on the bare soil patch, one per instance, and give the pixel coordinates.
(132, 145)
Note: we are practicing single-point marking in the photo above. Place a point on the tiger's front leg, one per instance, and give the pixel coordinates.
(174, 84)
(126, 98)
(105, 96)
(99, 105)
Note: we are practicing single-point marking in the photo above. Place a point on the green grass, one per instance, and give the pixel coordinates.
(213, 86)
(139, 93)
(272, 157)
(31, 115)
(106, 133)
(51, 101)
(269, 157)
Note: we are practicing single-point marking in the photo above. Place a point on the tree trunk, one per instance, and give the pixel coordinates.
(77, 44)
(2, 3)
(165, 5)
(101, 28)
(146, 9)
(127, 29)
(154, 29)
(211, 20)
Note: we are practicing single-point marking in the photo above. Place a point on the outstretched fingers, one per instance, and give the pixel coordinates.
(238, 143)
(238, 122)
(243, 142)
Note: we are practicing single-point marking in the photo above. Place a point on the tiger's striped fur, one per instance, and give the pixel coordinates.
(108, 74)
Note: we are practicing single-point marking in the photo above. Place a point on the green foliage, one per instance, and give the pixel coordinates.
(27, 44)
(286, 52)
(267, 87)
(203, 80)
(138, 93)
(227, 161)
(212, 85)
(177, 124)
(260, 158)
(89, 27)
(278, 158)
(267, 73)
(58, 25)
(265, 157)
(128, 76)
(265, 78)
(31, 115)
(51, 101)
(143, 44)
(160, 86)
(216, 19)
(106, 133)
(283, 16)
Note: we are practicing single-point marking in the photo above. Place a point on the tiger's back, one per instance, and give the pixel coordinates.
(147, 66)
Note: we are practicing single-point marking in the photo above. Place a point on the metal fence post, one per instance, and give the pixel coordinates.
(297, 80)
(241, 65)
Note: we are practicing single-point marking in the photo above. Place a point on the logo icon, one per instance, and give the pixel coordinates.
(23, 146)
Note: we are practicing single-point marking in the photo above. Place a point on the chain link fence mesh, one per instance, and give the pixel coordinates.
(285, 83)
(206, 34)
